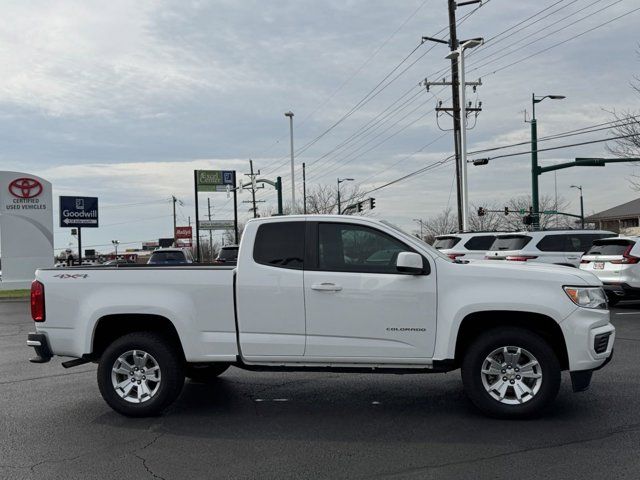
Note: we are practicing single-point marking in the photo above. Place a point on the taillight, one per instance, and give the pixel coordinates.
(453, 256)
(585, 261)
(37, 301)
(521, 258)
(627, 258)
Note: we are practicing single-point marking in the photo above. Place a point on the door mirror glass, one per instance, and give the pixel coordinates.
(409, 262)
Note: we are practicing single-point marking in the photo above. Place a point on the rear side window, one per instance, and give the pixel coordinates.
(444, 243)
(510, 242)
(555, 243)
(481, 242)
(280, 245)
(609, 247)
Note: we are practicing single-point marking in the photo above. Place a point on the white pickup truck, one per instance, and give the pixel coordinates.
(318, 293)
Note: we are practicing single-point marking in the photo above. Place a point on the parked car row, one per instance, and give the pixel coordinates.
(614, 260)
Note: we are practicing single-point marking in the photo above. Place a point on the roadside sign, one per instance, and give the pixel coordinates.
(210, 180)
(79, 212)
(216, 224)
(183, 232)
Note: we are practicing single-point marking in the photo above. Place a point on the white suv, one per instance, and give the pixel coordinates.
(615, 261)
(465, 246)
(561, 247)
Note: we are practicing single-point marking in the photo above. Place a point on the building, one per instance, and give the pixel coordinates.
(624, 219)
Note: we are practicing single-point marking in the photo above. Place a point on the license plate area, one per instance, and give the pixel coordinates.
(598, 265)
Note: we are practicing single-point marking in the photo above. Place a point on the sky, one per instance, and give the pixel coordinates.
(123, 100)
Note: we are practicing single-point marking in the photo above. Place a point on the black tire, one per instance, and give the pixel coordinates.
(487, 343)
(206, 373)
(169, 361)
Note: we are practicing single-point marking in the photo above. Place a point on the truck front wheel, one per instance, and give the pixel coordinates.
(140, 374)
(511, 373)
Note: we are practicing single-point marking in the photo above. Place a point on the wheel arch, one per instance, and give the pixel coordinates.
(111, 327)
(476, 323)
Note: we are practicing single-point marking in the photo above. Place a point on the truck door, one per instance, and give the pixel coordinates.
(358, 306)
(269, 290)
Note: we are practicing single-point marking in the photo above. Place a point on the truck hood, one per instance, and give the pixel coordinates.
(540, 271)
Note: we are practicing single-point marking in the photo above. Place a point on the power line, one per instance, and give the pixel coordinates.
(562, 42)
(589, 142)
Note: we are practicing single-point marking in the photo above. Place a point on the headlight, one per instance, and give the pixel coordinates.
(587, 297)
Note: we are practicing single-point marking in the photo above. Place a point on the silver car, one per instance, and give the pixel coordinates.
(615, 261)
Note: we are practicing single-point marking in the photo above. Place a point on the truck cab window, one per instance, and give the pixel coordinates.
(280, 245)
(355, 248)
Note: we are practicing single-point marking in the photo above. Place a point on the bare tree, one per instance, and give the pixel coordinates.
(627, 125)
(322, 199)
(440, 224)
(491, 221)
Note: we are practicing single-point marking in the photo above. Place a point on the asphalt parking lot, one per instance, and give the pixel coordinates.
(54, 424)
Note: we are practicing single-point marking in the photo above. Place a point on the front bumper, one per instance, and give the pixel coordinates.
(589, 337)
(40, 344)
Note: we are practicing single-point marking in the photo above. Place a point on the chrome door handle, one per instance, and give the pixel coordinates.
(326, 287)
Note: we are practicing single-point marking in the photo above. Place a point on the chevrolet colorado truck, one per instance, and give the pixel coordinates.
(327, 293)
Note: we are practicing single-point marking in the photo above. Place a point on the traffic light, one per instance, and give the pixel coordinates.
(360, 206)
(372, 203)
(506, 210)
(481, 212)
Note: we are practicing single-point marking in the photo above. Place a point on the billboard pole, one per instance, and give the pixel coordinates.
(195, 191)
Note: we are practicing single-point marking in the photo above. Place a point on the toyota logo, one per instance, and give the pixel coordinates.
(25, 188)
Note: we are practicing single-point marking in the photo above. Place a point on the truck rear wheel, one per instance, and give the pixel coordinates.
(140, 374)
(511, 373)
(206, 373)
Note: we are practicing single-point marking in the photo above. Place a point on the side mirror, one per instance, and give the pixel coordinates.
(409, 262)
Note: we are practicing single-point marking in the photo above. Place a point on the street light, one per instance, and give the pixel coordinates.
(293, 179)
(340, 180)
(419, 220)
(534, 157)
(579, 187)
(459, 54)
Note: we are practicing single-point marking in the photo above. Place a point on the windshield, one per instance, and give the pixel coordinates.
(609, 247)
(510, 242)
(444, 243)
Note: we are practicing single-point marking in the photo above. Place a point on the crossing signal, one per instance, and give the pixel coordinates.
(481, 212)
(527, 219)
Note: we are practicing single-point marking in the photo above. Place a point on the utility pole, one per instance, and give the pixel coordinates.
(455, 100)
(304, 188)
(455, 109)
(210, 231)
(252, 180)
(293, 177)
(174, 218)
